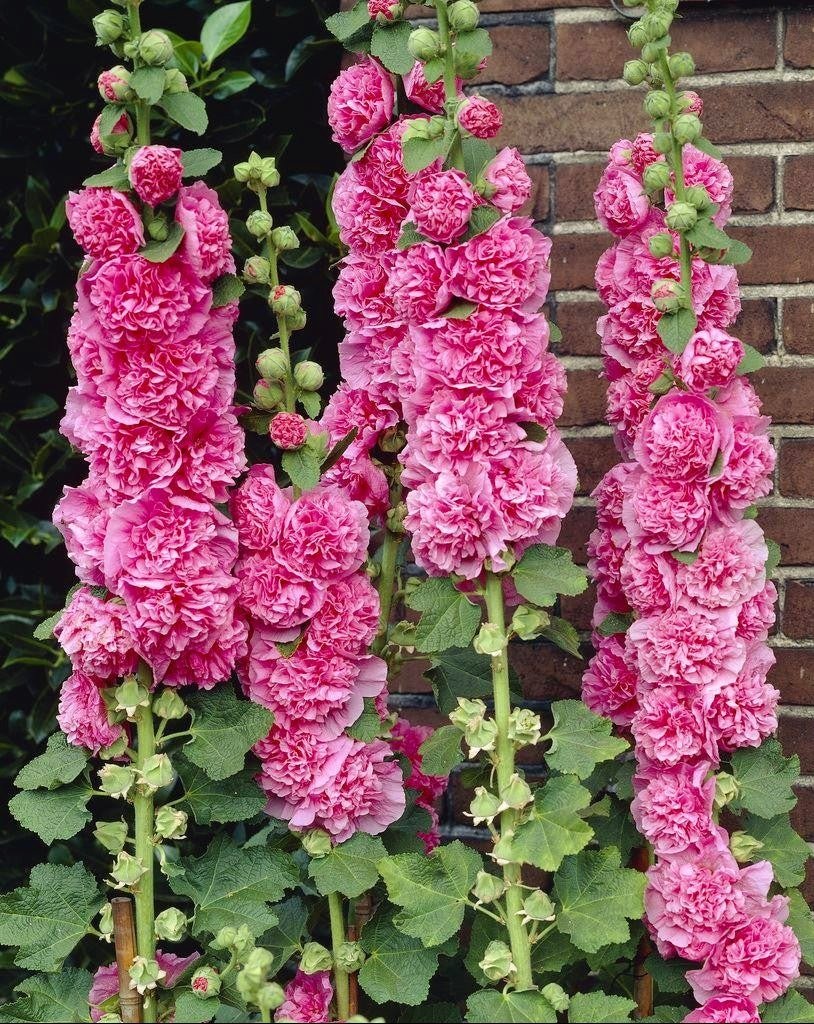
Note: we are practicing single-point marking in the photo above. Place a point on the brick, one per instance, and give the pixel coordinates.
(781, 253)
(574, 258)
(575, 186)
(793, 529)
(594, 456)
(796, 477)
(798, 46)
(520, 54)
(539, 203)
(545, 672)
(575, 531)
(795, 735)
(787, 392)
(793, 675)
(755, 324)
(798, 610)
(585, 399)
(754, 183)
(798, 326)
(579, 610)
(577, 321)
(798, 174)
(722, 42)
(802, 817)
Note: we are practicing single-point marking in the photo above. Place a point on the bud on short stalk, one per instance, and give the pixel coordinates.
(316, 843)
(727, 788)
(156, 772)
(145, 974)
(491, 639)
(259, 224)
(205, 983)
(635, 72)
(424, 44)
(698, 197)
(667, 295)
(557, 996)
(657, 104)
(661, 245)
(297, 320)
(155, 48)
(267, 395)
(656, 25)
(284, 240)
(169, 705)
(463, 16)
(686, 128)
(256, 270)
(116, 780)
(528, 622)
(130, 696)
(637, 35)
(158, 229)
(114, 85)
(537, 907)
(516, 794)
(171, 823)
(239, 941)
(744, 848)
(106, 922)
(126, 871)
(174, 82)
(272, 364)
(681, 217)
(285, 300)
(253, 976)
(270, 997)
(111, 834)
(108, 26)
(525, 727)
(171, 925)
(350, 957)
(681, 65)
(652, 51)
(308, 375)
(485, 806)
(488, 887)
(497, 961)
(662, 143)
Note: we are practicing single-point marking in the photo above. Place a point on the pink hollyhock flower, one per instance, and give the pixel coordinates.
(647, 581)
(380, 169)
(606, 550)
(362, 481)
(361, 293)
(156, 173)
(372, 357)
(607, 286)
(350, 408)
(428, 96)
(348, 619)
(95, 634)
(609, 684)
(290, 759)
(642, 153)
(671, 727)
(81, 516)
(258, 509)
(288, 430)
(541, 396)
(703, 169)
(123, 126)
(211, 660)
(106, 979)
(82, 714)
(694, 103)
(673, 809)
(104, 222)
(441, 203)
(629, 333)
(747, 475)
(406, 739)
(504, 266)
(717, 293)
(369, 222)
(417, 282)
(730, 568)
(207, 244)
(621, 203)
(85, 351)
(663, 514)
(113, 85)
(325, 535)
(274, 592)
(682, 437)
(480, 117)
(508, 180)
(725, 1009)
(307, 996)
(758, 960)
(386, 9)
(360, 103)
(710, 360)
(744, 713)
(212, 455)
(609, 495)
(757, 615)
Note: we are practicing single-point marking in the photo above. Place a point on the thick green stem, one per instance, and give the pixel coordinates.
(142, 107)
(518, 936)
(341, 980)
(283, 329)
(677, 161)
(386, 584)
(450, 83)
(145, 827)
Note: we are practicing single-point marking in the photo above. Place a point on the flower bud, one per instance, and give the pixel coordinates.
(316, 843)
(698, 197)
(270, 996)
(169, 705)
(662, 143)
(537, 907)
(284, 239)
(463, 16)
(108, 26)
(350, 957)
(239, 941)
(525, 727)
(308, 375)
(656, 25)
(515, 794)
(467, 710)
(666, 294)
(656, 176)
(170, 925)
(497, 961)
(491, 639)
(528, 622)
(424, 44)
(259, 223)
(267, 395)
(256, 270)
(395, 519)
(155, 47)
(106, 922)
(285, 300)
(686, 128)
(145, 974)
(657, 103)
(111, 834)
(157, 772)
(634, 72)
(116, 780)
(661, 245)
(127, 870)
(485, 806)
(727, 788)
(637, 35)
(743, 847)
(253, 976)
(652, 51)
(681, 65)
(681, 217)
(158, 229)
(297, 320)
(557, 996)
(205, 983)
(171, 823)
(488, 887)
(315, 958)
(174, 82)
(114, 85)
(467, 65)
(482, 736)
(130, 696)
(115, 750)
(289, 431)
(272, 364)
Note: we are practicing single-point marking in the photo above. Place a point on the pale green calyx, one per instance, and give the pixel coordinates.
(130, 696)
(497, 961)
(145, 974)
(350, 957)
(284, 239)
(127, 870)
(491, 640)
(106, 922)
(111, 834)
(171, 925)
(557, 996)
(116, 780)
(169, 705)
(308, 375)
(727, 788)
(744, 847)
(485, 806)
(424, 44)
(525, 727)
(239, 941)
(170, 822)
(515, 794)
(316, 843)
(537, 907)
(528, 622)
(259, 224)
(156, 772)
(205, 983)
(315, 958)
(108, 26)
(488, 887)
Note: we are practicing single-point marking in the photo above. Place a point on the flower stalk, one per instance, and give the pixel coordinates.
(341, 979)
(144, 807)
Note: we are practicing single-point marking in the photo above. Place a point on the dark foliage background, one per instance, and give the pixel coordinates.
(48, 100)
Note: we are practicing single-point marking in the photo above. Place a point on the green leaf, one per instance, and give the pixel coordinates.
(801, 921)
(224, 729)
(409, 236)
(580, 739)
(441, 751)
(432, 891)
(223, 28)
(598, 1008)
(685, 557)
(459, 672)
(792, 1008)
(786, 850)
(737, 253)
(187, 110)
(615, 623)
(339, 449)
(53, 813)
(483, 217)
(368, 726)
(49, 916)
(616, 828)
(545, 571)
(459, 310)
(198, 161)
(159, 252)
(285, 937)
(666, 1015)
(45, 629)
(707, 147)
(432, 1013)
(398, 967)
(509, 1007)
(232, 886)
(669, 975)
(234, 799)
(765, 778)
(705, 235)
(348, 23)
(192, 1010)
(148, 84)
(561, 633)
(775, 554)
(476, 44)
(389, 44)
(420, 153)
(232, 83)
(534, 431)
(477, 154)
(448, 619)
(50, 997)
(59, 764)
(113, 177)
(597, 898)
(350, 868)
(752, 360)
(554, 828)
(676, 329)
(303, 468)
(226, 289)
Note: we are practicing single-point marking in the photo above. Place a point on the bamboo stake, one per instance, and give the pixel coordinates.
(124, 939)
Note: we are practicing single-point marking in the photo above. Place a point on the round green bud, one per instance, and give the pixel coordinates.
(488, 887)
(516, 793)
(127, 870)
(112, 835)
(267, 395)
(270, 996)
(285, 300)
(637, 35)
(463, 16)
(315, 958)
(681, 65)
(528, 622)
(130, 696)
(308, 375)
(108, 26)
(158, 229)
(661, 245)
(497, 961)
(157, 772)
(253, 976)
(155, 47)
(557, 996)
(657, 104)
(727, 788)
(169, 705)
(272, 363)
(170, 925)
(656, 176)
(170, 822)
(635, 72)
(652, 51)
(424, 44)
(145, 974)
(350, 957)
(205, 983)
(116, 780)
(259, 223)
(538, 907)
(284, 239)
(297, 320)
(662, 142)
(256, 270)
(681, 217)
(239, 941)
(698, 196)
(667, 295)
(316, 843)
(485, 806)
(656, 24)
(174, 82)
(491, 639)
(744, 848)
(686, 128)
(525, 727)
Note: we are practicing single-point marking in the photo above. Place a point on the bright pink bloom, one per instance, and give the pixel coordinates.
(510, 184)
(106, 979)
(664, 514)
(81, 517)
(429, 96)
(730, 567)
(622, 205)
(348, 618)
(258, 508)
(271, 590)
(726, 1010)
(155, 173)
(441, 203)
(609, 684)
(673, 809)
(757, 615)
(747, 473)
(361, 293)
(104, 222)
(671, 728)
(360, 103)
(307, 997)
(288, 430)
(325, 535)
(682, 437)
(207, 243)
(647, 581)
(480, 117)
(112, 86)
(387, 9)
(744, 713)
(417, 282)
(82, 714)
(95, 634)
(710, 359)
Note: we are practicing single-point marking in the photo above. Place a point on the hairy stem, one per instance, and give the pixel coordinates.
(282, 325)
(385, 584)
(341, 981)
(677, 160)
(142, 107)
(450, 85)
(145, 822)
(518, 936)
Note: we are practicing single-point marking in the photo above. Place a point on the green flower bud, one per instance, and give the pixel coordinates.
(308, 375)
(297, 320)
(155, 47)
(727, 788)
(114, 85)
(145, 974)
(656, 25)
(463, 16)
(350, 956)
(424, 44)
(130, 696)
(116, 780)
(174, 82)
(634, 72)
(666, 294)
(467, 65)
(285, 300)
(637, 35)
(744, 848)
(656, 176)
(316, 843)
(516, 794)
(537, 907)
(112, 835)
(239, 941)
(482, 736)
(127, 870)
(315, 958)
(108, 26)
(557, 996)
(170, 925)
(528, 622)
(272, 364)
(687, 128)
(171, 823)
(657, 103)
(497, 961)
(157, 772)
(491, 639)
(681, 217)
(698, 197)
(485, 806)
(259, 223)
(270, 997)
(525, 727)
(284, 239)
(267, 395)
(205, 983)
(268, 173)
(681, 65)
(158, 229)
(256, 270)
(661, 245)
(467, 710)
(106, 922)
(169, 705)
(242, 171)
(253, 976)
(662, 143)
(488, 887)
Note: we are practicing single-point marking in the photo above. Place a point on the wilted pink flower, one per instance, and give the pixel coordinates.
(307, 998)
(480, 117)
(508, 181)
(155, 173)
(360, 103)
(288, 430)
(82, 714)
(441, 203)
(104, 222)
